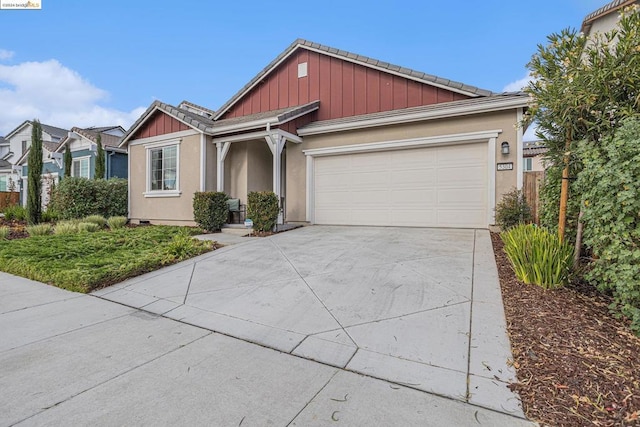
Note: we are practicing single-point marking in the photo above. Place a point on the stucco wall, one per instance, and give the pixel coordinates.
(165, 210)
(296, 162)
(260, 176)
(235, 171)
(211, 165)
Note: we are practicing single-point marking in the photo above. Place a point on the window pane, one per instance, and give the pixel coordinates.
(76, 168)
(84, 168)
(164, 168)
(3, 183)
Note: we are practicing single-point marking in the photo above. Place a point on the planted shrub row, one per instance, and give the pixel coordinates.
(82, 197)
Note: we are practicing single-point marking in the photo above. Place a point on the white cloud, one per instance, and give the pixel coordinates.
(518, 85)
(56, 95)
(6, 54)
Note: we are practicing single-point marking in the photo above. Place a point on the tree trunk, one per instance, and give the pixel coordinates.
(564, 190)
(578, 247)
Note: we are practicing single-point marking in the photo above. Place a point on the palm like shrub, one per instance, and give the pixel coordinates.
(538, 256)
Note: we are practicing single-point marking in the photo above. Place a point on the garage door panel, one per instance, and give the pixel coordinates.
(461, 218)
(417, 197)
(413, 217)
(429, 187)
(413, 177)
(461, 197)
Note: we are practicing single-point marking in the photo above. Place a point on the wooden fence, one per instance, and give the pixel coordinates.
(8, 198)
(531, 189)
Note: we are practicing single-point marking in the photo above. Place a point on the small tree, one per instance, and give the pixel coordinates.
(34, 186)
(68, 161)
(582, 89)
(100, 160)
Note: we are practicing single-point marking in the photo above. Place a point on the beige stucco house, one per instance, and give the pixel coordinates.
(341, 139)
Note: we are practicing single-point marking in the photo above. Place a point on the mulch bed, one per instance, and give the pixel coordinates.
(16, 229)
(577, 365)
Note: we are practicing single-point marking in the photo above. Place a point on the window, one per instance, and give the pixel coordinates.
(528, 164)
(25, 145)
(80, 167)
(164, 168)
(3, 183)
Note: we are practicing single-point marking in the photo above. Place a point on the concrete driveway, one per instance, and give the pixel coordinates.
(417, 307)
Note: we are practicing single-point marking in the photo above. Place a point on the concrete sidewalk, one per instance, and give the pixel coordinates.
(72, 359)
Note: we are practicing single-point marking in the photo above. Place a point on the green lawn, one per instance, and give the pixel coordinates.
(83, 262)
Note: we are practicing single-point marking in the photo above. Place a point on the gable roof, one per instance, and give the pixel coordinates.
(195, 121)
(109, 142)
(357, 59)
(604, 10)
(211, 127)
(5, 165)
(3, 141)
(186, 105)
(49, 146)
(104, 128)
(51, 130)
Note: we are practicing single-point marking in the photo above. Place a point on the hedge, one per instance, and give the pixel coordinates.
(80, 197)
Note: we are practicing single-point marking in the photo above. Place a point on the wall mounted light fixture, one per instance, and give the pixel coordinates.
(505, 148)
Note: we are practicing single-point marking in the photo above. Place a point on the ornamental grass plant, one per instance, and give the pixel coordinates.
(538, 256)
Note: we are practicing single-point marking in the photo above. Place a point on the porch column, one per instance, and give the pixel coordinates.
(222, 148)
(276, 144)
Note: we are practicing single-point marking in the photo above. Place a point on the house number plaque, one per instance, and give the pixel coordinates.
(505, 166)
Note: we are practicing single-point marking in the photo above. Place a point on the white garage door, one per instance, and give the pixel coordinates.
(425, 187)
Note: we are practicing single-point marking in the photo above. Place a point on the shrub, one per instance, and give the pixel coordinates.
(111, 197)
(80, 197)
(39, 229)
(95, 219)
(183, 246)
(50, 215)
(116, 222)
(513, 210)
(16, 212)
(263, 209)
(65, 227)
(88, 227)
(4, 232)
(610, 187)
(210, 209)
(538, 256)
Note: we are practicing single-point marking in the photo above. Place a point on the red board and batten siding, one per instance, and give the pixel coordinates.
(343, 88)
(159, 124)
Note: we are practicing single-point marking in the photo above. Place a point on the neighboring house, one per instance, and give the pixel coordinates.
(341, 138)
(533, 156)
(83, 146)
(16, 144)
(606, 18)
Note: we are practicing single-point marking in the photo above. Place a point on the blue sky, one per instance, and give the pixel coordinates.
(103, 62)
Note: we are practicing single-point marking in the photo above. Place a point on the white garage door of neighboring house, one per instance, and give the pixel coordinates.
(443, 186)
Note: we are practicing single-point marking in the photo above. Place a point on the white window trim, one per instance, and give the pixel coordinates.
(528, 160)
(489, 137)
(149, 193)
(88, 167)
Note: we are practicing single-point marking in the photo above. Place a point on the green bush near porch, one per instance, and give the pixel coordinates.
(210, 210)
(263, 209)
(83, 262)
